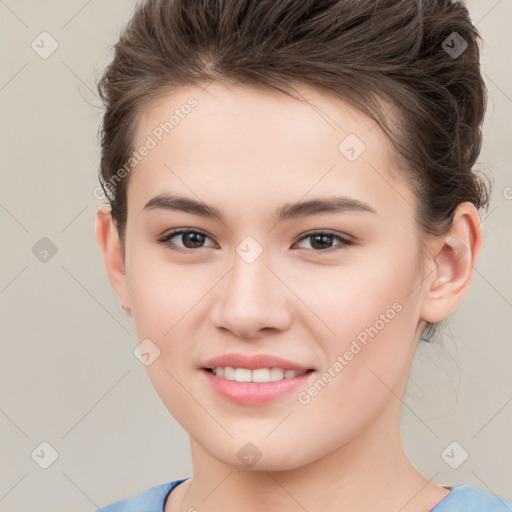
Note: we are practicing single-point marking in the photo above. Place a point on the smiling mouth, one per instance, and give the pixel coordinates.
(257, 375)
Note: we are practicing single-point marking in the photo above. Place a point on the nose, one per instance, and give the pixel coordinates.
(252, 300)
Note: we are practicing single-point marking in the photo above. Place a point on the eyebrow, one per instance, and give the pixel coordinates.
(332, 204)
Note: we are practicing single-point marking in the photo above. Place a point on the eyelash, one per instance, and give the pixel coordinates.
(344, 242)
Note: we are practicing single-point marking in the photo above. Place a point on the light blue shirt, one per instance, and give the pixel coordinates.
(462, 498)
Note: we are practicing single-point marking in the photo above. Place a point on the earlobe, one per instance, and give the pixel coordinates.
(455, 257)
(111, 250)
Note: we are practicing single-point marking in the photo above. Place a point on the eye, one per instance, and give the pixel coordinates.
(322, 238)
(194, 239)
(191, 238)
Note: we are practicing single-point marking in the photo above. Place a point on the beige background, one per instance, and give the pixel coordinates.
(68, 374)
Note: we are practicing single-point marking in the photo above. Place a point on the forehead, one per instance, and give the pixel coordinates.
(260, 144)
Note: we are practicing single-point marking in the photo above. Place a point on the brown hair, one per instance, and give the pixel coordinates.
(419, 58)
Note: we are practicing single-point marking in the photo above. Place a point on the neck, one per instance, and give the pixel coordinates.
(366, 473)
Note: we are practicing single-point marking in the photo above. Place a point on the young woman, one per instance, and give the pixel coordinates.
(292, 206)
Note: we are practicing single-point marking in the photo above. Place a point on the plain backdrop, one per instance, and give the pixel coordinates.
(69, 377)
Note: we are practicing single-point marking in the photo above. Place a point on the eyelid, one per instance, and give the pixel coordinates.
(329, 232)
(345, 241)
(165, 239)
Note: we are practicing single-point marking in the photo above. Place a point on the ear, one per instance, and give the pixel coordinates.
(453, 257)
(111, 250)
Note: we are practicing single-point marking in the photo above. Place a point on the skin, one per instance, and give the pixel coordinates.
(248, 151)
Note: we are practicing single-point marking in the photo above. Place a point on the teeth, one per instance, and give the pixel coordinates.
(276, 374)
(229, 373)
(243, 375)
(259, 375)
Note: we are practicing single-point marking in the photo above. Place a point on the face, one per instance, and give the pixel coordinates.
(334, 291)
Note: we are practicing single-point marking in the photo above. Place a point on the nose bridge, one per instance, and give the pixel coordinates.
(250, 272)
(249, 281)
(252, 298)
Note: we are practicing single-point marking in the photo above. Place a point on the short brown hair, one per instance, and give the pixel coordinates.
(373, 54)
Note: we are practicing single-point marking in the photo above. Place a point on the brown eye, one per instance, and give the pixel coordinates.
(321, 241)
(190, 238)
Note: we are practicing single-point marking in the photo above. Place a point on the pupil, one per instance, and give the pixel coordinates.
(324, 238)
(193, 235)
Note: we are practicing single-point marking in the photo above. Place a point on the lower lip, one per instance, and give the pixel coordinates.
(255, 393)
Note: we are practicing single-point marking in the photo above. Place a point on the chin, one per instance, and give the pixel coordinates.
(263, 457)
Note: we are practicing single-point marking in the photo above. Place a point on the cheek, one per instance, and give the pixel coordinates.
(341, 309)
(160, 292)
(367, 291)
(370, 312)
(163, 298)
(344, 300)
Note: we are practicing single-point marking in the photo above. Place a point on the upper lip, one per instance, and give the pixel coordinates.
(253, 362)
